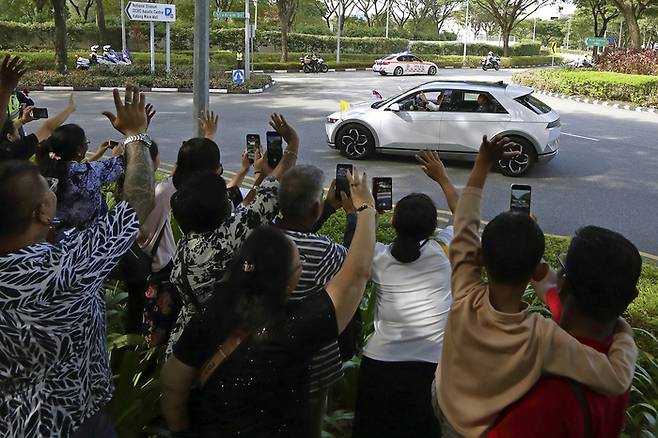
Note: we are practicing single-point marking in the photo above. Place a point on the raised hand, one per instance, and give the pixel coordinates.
(498, 148)
(261, 164)
(11, 71)
(130, 118)
(209, 123)
(280, 125)
(359, 190)
(432, 165)
(27, 116)
(245, 164)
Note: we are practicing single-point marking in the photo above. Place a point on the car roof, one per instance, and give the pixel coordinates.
(510, 90)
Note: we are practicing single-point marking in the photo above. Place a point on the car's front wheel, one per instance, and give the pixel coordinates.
(431, 71)
(355, 141)
(383, 73)
(398, 71)
(520, 165)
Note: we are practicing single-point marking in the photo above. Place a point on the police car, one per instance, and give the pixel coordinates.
(400, 64)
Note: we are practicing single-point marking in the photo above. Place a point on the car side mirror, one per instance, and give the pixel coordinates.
(395, 107)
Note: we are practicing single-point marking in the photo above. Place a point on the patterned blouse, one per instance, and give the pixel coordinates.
(81, 202)
(207, 255)
(54, 365)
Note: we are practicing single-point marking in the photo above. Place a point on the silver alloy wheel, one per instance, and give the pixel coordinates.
(398, 71)
(432, 71)
(516, 166)
(354, 143)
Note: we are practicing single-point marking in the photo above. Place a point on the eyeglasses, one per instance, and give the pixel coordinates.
(52, 184)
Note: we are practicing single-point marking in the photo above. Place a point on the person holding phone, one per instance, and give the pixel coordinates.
(412, 285)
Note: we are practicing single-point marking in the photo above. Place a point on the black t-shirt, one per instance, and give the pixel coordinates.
(261, 390)
(21, 149)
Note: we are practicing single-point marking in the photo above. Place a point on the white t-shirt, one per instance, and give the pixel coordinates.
(413, 302)
(159, 217)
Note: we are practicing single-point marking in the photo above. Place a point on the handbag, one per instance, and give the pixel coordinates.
(223, 352)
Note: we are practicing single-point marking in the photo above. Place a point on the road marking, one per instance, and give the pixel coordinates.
(581, 136)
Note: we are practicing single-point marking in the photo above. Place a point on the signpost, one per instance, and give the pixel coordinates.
(597, 42)
(553, 51)
(225, 14)
(248, 33)
(154, 12)
(238, 76)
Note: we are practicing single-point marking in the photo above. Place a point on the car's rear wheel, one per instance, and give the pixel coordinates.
(520, 165)
(355, 141)
(398, 71)
(431, 71)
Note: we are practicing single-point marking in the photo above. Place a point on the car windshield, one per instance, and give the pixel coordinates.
(534, 104)
(391, 57)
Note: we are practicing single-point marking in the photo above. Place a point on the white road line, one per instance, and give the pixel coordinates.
(581, 136)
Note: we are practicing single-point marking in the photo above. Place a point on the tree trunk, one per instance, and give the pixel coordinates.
(633, 29)
(61, 56)
(100, 20)
(506, 35)
(284, 40)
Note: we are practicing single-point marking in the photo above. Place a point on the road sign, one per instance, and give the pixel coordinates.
(554, 47)
(151, 12)
(238, 76)
(611, 40)
(224, 14)
(596, 42)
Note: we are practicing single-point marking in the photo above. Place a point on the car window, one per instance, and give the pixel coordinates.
(416, 59)
(413, 102)
(532, 103)
(467, 102)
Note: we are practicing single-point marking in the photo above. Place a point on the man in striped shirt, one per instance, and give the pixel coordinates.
(303, 211)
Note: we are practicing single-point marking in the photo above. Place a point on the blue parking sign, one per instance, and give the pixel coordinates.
(238, 76)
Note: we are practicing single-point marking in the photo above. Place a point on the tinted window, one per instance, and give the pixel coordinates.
(467, 102)
(416, 59)
(533, 104)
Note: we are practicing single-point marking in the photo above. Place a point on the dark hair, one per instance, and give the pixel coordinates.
(300, 189)
(201, 204)
(8, 127)
(249, 299)
(196, 155)
(17, 197)
(512, 246)
(602, 270)
(65, 142)
(414, 219)
(154, 152)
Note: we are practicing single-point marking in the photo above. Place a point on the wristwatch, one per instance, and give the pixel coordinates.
(144, 138)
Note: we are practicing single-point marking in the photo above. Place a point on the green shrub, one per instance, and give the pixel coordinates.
(475, 49)
(638, 89)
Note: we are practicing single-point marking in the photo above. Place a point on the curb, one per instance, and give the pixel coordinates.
(156, 89)
(599, 102)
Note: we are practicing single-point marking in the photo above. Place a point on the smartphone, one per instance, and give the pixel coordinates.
(274, 148)
(382, 190)
(342, 184)
(253, 143)
(113, 144)
(520, 198)
(40, 113)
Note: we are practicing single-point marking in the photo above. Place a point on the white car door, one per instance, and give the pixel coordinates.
(464, 120)
(412, 127)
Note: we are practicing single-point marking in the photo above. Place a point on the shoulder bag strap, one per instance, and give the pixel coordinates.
(443, 246)
(580, 395)
(187, 288)
(222, 353)
(156, 245)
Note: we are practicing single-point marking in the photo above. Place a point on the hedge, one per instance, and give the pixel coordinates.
(637, 89)
(481, 49)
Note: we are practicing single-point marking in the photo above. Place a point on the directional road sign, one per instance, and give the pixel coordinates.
(238, 76)
(151, 12)
(224, 14)
(554, 47)
(597, 41)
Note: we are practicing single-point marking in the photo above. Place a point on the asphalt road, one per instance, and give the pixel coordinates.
(606, 173)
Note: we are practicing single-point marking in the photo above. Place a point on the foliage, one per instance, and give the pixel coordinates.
(642, 412)
(638, 89)
(631, 61)
(481, 49)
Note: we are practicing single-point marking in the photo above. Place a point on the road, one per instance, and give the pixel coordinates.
(606, 173)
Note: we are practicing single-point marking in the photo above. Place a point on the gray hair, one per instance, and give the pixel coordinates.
(300, 189)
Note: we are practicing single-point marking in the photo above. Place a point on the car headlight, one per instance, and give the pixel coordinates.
(332, 120)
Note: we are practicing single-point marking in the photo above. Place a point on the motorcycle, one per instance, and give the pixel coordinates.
(313, 64)
(580, 63)
(490, 62)
(109, 57)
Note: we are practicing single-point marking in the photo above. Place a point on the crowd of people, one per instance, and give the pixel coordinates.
(256, 312)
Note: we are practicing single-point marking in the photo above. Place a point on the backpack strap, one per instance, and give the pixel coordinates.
(580, 395)
(443, 246)
(222, 353)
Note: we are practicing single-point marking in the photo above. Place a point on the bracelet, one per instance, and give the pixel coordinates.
(364, 207)
(290, 153)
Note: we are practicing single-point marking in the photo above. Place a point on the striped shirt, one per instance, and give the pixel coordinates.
(323, 259)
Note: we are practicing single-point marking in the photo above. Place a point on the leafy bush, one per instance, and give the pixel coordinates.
(638, 89)
(476, 49)
(631, 61)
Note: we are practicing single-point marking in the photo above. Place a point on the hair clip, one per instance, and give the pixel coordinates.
(54, 156)
(248, 267)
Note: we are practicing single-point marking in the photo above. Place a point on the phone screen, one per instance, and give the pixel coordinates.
(253, 143)
(113, 144)
(382, 189)
(40, 113)
(520, 198)
(342, 184)
(274, 148)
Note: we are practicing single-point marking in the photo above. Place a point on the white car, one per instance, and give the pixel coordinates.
(404, 64)
(450, 117)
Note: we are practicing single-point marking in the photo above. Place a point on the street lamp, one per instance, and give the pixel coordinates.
(388, 14)
(534, 29)
(465, 32)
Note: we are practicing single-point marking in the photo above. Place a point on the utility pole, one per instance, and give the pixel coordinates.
(256, 15)
(621, 29)
(465, 32)
(534, 29)
(388, 15)
(340, 23)
(201, 76)
(568, 32)
(123, 27)
(247, 41)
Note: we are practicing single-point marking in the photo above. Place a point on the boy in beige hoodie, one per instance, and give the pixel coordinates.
(494, 350)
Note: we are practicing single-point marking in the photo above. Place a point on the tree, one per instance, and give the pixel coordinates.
(508, 13)
(480, 20)
(372, 10)
(402, 10)
(327, 9)
(440, 10)
(82, 11)
(632, 10)
(287, 11)
(61, 55)
(602, 12)
(100, 19)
